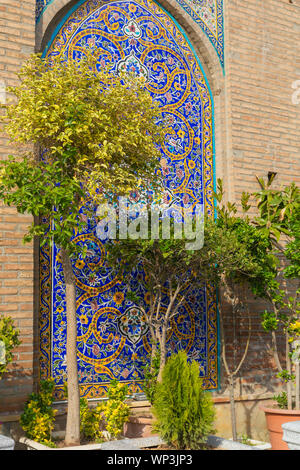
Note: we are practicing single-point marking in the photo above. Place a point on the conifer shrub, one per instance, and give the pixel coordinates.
(184, 412)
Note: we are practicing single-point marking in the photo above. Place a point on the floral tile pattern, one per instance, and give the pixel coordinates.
(208, 14)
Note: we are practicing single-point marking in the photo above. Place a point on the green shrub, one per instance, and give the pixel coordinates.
(90, 421)
(37, 420)
(281, 400)
(116, 411)
(184, 412)
(110, 415)
(9, 339)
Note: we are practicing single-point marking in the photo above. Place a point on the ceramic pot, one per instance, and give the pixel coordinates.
(275, 418)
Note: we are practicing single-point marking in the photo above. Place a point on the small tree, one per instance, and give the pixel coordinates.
(171, 273)
(99, 136)
(252, 266)
(230, 255)
(279, 220)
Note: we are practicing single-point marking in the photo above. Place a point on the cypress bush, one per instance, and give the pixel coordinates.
(184, 412)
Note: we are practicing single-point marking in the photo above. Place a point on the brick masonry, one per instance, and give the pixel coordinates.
(262, 69)
(17, 40)
(257, 130)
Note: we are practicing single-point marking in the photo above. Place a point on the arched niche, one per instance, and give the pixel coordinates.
(142, 35)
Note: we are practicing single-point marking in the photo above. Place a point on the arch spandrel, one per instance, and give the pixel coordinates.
(138, 35)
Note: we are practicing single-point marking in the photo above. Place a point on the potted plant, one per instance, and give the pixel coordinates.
(279, 217)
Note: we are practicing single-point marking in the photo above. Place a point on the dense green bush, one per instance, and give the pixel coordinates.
(37, 420)
(90, 421)
(110, 415)
(184, 411)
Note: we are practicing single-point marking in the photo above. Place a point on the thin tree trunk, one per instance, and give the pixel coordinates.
(153, 347)
(73, 413)
(233, 300)
(297, 364)
(163, 353)
(289, 369)
(232, 407)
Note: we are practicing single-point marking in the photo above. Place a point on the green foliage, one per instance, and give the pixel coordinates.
(37, 419)
(285, 376)
(279, 214)
(234, 252)
(269, 321)
(109, 416)
(183, 410)
(9, 339)
(281, 400)
(249, 258)
(100, 135)
(116, 411)
(279, 220)
(244, 439)
(276, 208)
(90, 421)
(292, 249)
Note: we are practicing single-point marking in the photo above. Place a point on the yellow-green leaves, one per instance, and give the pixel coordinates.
(99, 131)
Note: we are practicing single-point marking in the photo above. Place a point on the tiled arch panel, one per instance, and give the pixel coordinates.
(113, 341)
(208, 14)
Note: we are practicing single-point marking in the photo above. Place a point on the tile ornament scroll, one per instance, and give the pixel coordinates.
(113, 338)
(208, 14)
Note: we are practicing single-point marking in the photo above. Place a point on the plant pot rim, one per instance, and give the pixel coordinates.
(275, 410)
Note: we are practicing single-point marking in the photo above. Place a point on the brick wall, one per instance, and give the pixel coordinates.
(262, 44)
(262, 62)
(17, 41)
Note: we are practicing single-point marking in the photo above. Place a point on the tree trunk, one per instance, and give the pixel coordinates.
(153, 348)
(233, 300)
(163, 353)
(73, 413)
(232, 407)
(289, 369)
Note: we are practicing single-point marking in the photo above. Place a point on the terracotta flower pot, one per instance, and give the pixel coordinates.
(275, 417)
